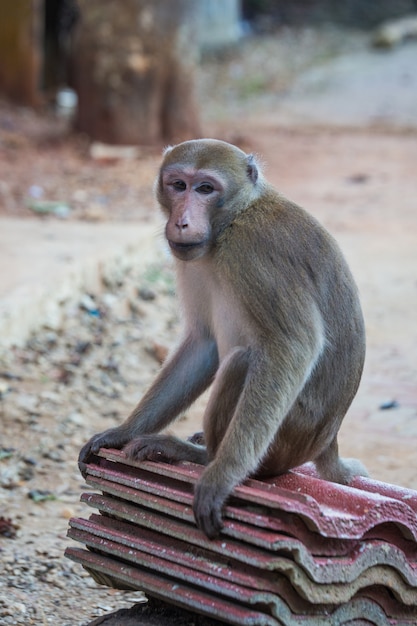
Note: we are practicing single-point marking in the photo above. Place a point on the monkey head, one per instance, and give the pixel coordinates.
(202, 185)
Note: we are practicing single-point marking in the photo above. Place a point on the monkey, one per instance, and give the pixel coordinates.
(272, 322)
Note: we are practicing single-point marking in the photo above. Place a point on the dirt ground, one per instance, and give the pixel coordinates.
(65, 385)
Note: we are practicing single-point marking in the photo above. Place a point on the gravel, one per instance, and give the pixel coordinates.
(55, 392)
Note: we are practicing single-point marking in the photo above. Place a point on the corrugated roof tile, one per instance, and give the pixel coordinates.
(294, 549)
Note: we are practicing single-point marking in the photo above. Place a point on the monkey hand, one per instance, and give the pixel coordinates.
(209, 499)
(153, 448)
(111, 438)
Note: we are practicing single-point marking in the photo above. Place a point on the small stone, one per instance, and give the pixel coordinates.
(27, 402)
(76, 418)
(4, 388)
(158, 351)
(87, 303)
(67, 513)
(389, 404)
(147, 294)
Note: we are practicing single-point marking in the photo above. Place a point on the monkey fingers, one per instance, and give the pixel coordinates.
(111, 438)
(208, 506)
(149, 447)
(164, 448)
(197, 438)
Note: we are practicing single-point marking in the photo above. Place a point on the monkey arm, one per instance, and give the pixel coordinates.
(279, 368)
(182, 379)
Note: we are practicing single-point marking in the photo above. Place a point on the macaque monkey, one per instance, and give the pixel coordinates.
(271, 319)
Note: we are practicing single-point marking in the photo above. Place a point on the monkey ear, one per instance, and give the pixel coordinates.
(252, 168)
(167, 150)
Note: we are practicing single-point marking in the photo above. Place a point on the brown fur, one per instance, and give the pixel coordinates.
(272, 316)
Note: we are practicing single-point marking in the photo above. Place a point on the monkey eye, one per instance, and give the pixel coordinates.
(179, 185)
(205, 188)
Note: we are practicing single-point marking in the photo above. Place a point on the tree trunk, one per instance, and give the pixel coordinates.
(20, 50)
(134, 64)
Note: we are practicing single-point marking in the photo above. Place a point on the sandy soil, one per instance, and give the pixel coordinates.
(63, 386)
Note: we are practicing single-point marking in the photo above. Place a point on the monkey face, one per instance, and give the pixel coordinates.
(189, 197)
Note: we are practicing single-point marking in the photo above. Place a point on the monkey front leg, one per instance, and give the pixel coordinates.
(182, 379)
(224, 398)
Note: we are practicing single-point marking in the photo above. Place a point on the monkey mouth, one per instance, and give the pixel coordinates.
(184, 247)
(189, 250)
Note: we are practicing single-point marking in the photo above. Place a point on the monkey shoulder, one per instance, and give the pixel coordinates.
(274, 232)
(281, 263)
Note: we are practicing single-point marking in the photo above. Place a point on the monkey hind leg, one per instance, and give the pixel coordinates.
(331, 467)
(165, 448)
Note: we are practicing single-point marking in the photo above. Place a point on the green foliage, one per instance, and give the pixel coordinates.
(160, 275)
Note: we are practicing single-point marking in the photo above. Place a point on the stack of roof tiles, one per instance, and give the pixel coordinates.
(293, 550)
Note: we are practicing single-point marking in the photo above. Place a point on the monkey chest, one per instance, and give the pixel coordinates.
(211, 305)
(225, 320)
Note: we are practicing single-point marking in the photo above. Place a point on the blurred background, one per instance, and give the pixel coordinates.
(324, 92)
(144, 72)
